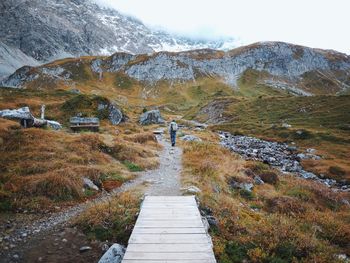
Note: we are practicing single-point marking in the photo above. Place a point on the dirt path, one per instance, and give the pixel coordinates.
(163, 181)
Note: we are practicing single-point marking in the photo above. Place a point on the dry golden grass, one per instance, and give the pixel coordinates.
(291, 220)
(38, 165)
(111, 220)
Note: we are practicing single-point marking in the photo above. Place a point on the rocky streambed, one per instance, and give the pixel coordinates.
(281, 155)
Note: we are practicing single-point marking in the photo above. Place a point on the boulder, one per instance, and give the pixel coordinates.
(54, 125)
(89, 184)
(114, 254)
(151, 117)
(21, 113)
(191, 189)
(115, 115)
(191, 138)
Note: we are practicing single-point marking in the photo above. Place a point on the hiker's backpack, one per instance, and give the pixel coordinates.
(173, 127)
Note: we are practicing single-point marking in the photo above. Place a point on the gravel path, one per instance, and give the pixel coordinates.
(163, 181)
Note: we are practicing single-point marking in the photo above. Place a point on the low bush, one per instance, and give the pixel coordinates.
(336, 170)
(269, 177)
(285, 205)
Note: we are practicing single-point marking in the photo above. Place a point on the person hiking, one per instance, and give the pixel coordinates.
(172, 129)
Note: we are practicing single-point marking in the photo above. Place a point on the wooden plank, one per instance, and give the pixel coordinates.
(169, 223)
(170, 261)
(169, 247)
(169, 229)
(169, 238)
(168, 255)
(183, 197)
(187, 230)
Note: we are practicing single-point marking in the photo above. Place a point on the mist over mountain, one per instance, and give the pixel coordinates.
(35, 32)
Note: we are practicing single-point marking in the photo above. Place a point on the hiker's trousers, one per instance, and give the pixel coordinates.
(173, 137)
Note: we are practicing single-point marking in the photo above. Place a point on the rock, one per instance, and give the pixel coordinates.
(151, 117)
(54, 125)
(308, 175)
(191, 138)
(258, 181)
(244, 186)
(21, 113)
(89, 184)
(191, 189)
(286, 125)
(212, 221)
(74, 91)
(84, 249)
(310, 150)
(15, 256)
(114, 254)
(115, 115)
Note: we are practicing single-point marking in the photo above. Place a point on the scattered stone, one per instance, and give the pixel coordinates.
(286, 125)
(15, 256)
(191, 189)
(54, 125)
(310, 150)
(84, 249)
(258, 181)
(75, 91)
(64, 240)
(114, 254)
(212, 221)
(279, 155)
(89, 184)
(151, 117)
(191, 138)
(244, 186)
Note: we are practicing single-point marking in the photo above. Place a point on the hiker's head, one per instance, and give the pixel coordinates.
(173, 120)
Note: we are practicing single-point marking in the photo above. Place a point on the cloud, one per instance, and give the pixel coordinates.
(315, 23)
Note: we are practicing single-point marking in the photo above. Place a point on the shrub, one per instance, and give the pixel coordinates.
(336, 170)
(300, 193)
(285, 205)
(269, 177)
(247, 194)
(302, 135)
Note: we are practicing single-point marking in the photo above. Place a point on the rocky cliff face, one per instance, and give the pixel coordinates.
(285, 66)
(41, 31)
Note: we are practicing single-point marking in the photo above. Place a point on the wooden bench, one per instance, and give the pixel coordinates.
(80, 123)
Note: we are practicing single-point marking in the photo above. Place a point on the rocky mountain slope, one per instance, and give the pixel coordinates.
(36, 31)
(290, 68)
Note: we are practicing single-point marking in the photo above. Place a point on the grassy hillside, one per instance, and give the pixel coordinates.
(284, 220)
(320, 122)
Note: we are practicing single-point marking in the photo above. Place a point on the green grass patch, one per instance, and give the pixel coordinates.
(132, 166)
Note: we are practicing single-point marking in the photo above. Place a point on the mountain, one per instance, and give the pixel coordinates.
(290, 68)
(33, 32)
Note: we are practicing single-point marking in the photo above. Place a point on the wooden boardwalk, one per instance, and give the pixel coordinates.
(169, 229)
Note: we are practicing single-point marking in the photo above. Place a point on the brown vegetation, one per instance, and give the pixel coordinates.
(289, 220)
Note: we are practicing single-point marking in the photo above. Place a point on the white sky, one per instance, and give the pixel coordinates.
(314, 23)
